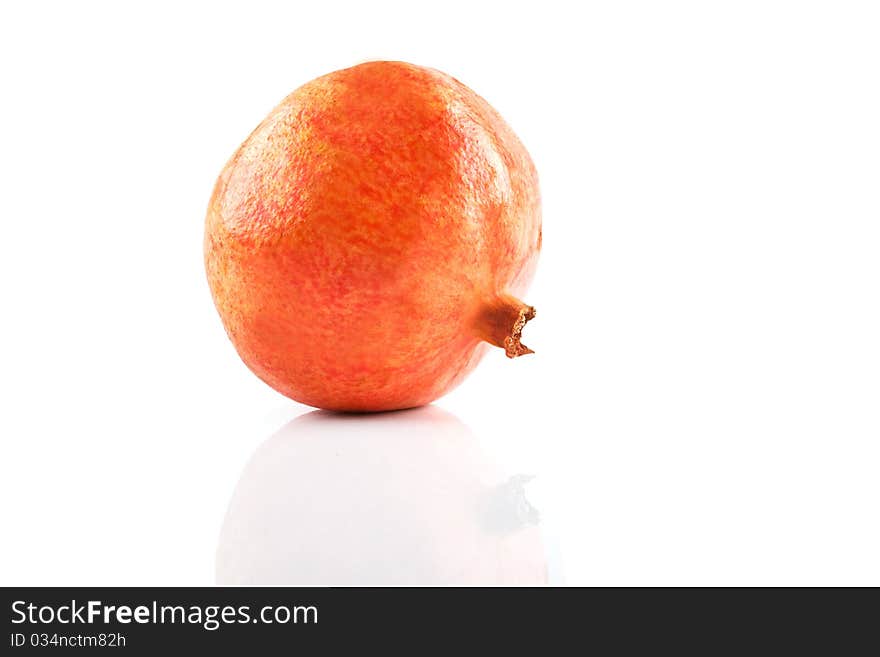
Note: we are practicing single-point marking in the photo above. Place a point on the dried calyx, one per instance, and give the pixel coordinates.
(500, 322)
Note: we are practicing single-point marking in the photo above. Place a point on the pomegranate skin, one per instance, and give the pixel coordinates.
(369, 239)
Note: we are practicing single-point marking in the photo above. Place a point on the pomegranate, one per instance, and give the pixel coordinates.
(371, 237)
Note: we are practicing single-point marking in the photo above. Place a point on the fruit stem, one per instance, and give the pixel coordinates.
(500, 322)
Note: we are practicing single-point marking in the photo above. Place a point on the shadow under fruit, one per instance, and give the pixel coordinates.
(371, 238)
(407, 499)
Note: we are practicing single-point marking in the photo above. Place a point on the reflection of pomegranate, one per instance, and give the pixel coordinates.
(371, 235)
(408, 498)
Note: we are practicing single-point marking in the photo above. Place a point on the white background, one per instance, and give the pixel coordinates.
(704, 404)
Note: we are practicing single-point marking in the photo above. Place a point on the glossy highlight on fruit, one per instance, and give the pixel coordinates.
(372, 237)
